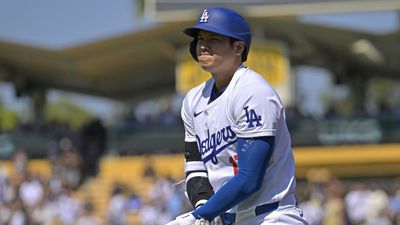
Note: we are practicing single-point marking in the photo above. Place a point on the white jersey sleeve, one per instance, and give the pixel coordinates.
(254, 109)
(187, 117)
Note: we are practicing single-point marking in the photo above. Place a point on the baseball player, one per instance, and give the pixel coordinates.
(239, 162)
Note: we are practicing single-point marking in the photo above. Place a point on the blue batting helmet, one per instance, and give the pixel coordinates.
(221, 21)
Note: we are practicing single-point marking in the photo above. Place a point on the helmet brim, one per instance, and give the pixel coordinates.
(193, 31)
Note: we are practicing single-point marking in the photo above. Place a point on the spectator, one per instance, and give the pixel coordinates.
(381, 218)
(334, 205)
(356, 203)
(133, 202)
(67, 207)
(175, 205)
(117, 206)
(44, 213)
(312, 209)
(88, 217)
(31, 191)
(384, 109)
(148, 171)
(18, 214)
(376, 203)
(331, 113)
(70, 164)
(162, 190)
(20, 162)
(153, 213)
(3, 185)
(5, 213)
(394, 203)
(93, 146)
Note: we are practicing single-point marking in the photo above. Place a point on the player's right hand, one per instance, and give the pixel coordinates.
(188, 219)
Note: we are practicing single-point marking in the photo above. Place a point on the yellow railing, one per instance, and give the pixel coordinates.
(339, 161)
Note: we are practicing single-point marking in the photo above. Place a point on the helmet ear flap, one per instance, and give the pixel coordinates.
(192, 49)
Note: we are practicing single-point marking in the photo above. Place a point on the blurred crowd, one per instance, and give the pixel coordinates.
(27, 198)
(334, 201)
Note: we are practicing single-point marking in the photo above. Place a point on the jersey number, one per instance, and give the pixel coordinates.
(233, 160)
(252, 117)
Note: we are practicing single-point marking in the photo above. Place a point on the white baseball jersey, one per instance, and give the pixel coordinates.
(249, 107)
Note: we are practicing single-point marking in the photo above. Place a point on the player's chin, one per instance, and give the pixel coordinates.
(206, 68)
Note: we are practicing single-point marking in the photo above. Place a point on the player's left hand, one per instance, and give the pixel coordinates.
(188, 219)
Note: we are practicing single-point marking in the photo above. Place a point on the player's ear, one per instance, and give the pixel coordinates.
(238, 47)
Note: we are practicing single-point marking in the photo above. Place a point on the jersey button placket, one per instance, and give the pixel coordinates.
(206, 123)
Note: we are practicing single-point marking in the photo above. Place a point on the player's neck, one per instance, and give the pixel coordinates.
(222, 79)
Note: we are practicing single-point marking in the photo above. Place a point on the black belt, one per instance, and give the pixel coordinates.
(229, 218)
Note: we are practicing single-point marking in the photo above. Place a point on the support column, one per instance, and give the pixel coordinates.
(358, 92)
(38, 97)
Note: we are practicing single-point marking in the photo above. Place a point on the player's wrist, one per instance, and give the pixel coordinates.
(196, 215)
(189, 219)
(199, 217)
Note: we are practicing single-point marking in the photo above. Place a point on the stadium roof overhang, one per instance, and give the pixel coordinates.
(142, 64)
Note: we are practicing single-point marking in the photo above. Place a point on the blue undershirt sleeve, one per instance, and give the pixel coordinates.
(254, 155)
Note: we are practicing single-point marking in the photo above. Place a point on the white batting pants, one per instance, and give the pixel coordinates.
(286, 214)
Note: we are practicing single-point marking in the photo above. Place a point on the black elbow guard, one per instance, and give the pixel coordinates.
(198, 188)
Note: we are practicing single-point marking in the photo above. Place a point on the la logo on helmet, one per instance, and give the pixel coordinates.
(204, 17)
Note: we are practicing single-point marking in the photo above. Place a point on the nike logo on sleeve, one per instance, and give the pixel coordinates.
(196, 114)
